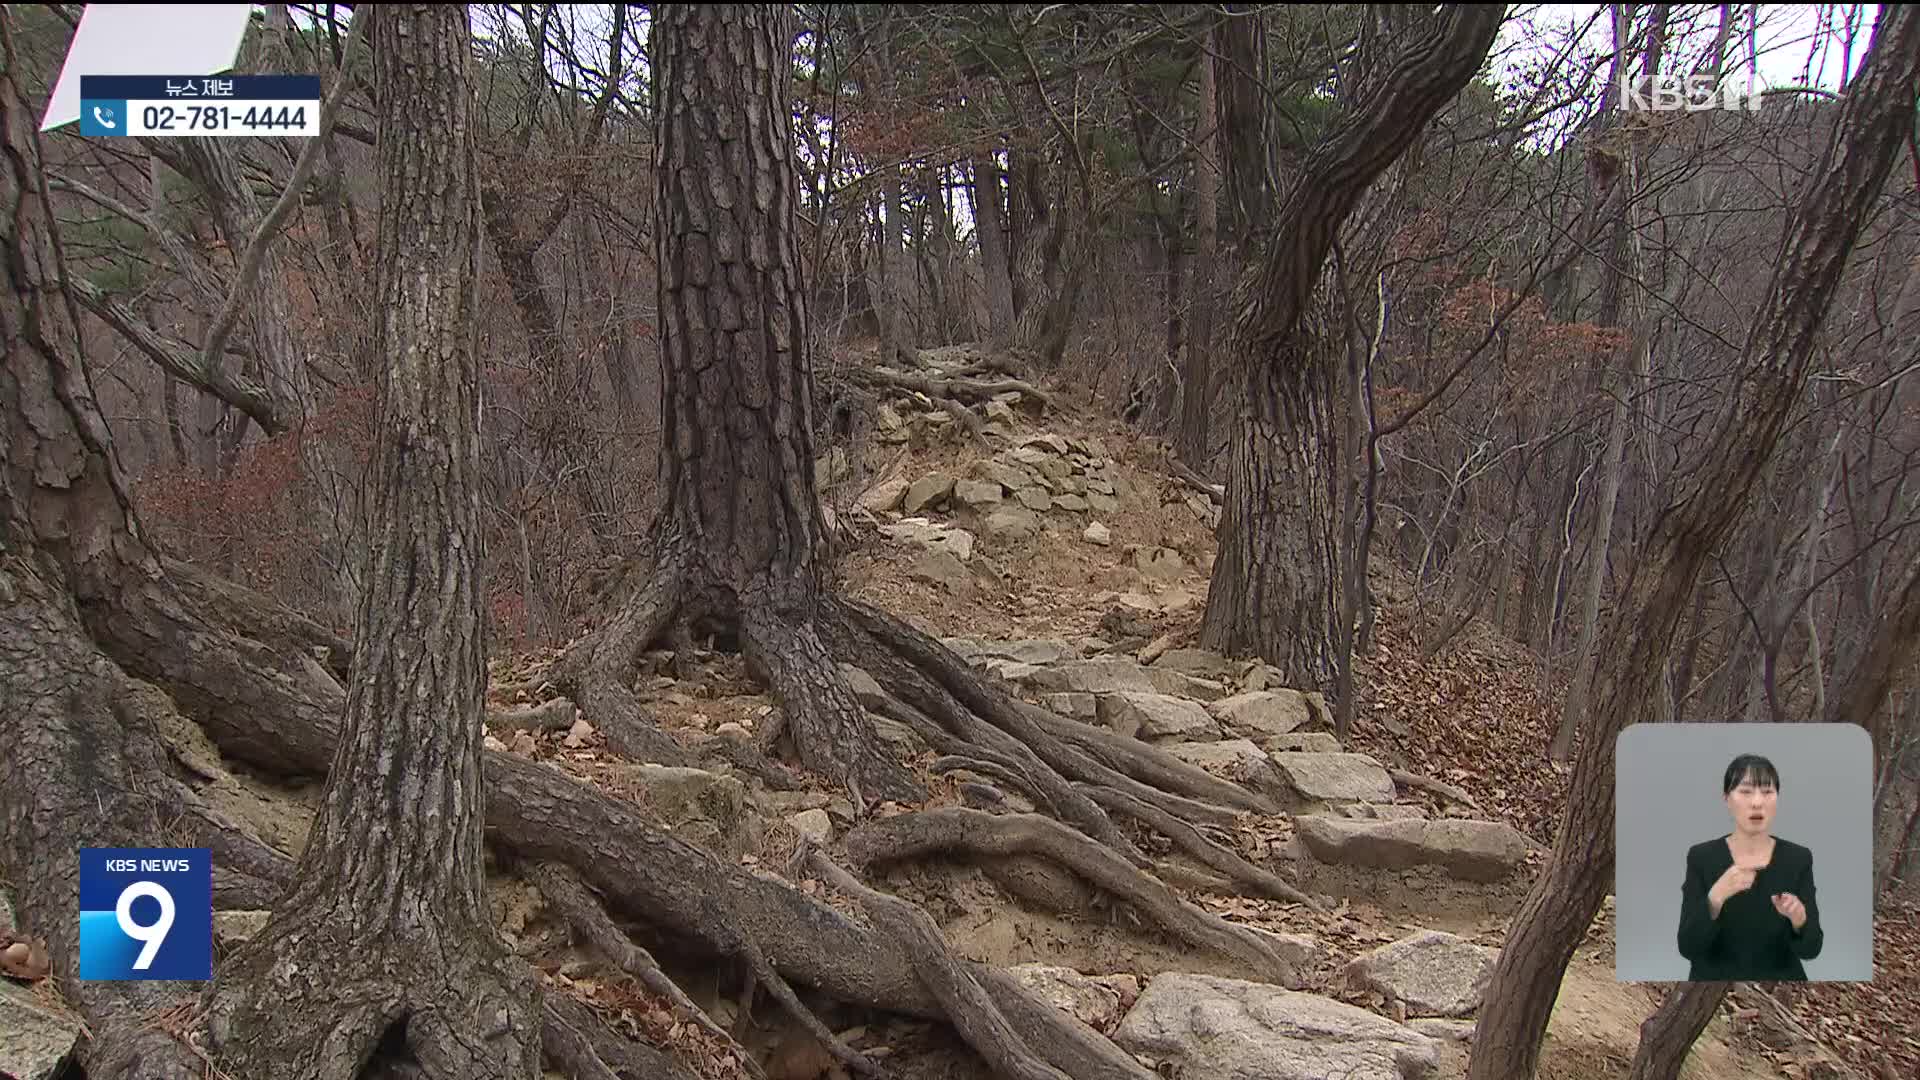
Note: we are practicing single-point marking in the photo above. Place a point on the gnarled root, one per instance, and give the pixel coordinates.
(958, 829)
(1189, 840)
(966, 1001)
(583, 912)
(576, 1041)
(307, 997)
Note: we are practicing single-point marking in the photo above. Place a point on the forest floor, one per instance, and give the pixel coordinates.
(1474, 716)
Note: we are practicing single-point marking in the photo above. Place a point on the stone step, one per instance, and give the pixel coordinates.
(1202, 1027)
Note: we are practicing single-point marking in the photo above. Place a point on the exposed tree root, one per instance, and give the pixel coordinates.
(1007, 774)
(1186, 877)
(595, 672)
(821, 712)
(1187, 475)
(925, 674)
(966, 1001)
(829, 728)
(782, 991)
(84, 766)
(556, 715)
(750, 758)
(566, 892)
(1238, 870)
(532, 811)
(280, 710)
(958, 829)
(1150, 765)
(575, 1040)
(961, 388)
(976, 427)
(1438, 787)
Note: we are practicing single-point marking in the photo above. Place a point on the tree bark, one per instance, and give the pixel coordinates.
(1276, 578)
(989, 215)
(1893, 641)
(1875, 122)
(1667, 1035)
(740, 538)
(390, 879)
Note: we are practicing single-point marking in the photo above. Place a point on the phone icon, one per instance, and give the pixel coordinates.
(104, 117)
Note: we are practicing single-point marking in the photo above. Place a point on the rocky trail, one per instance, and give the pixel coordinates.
(1338, 917)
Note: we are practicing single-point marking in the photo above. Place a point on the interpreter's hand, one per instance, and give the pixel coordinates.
(1789, 905)
(1737, 879)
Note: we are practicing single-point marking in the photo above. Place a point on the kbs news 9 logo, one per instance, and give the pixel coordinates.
(146, 913)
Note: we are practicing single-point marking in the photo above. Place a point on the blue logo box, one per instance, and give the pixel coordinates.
(146, 913)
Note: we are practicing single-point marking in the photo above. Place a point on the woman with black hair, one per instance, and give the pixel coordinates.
(1747, 909)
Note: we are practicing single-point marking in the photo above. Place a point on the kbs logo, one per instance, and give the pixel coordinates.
(1695, 93)
(146, 913)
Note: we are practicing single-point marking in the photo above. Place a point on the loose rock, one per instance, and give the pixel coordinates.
(1433, 972)
(1209, 1028)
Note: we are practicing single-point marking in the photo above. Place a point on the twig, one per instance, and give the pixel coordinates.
(263, 234)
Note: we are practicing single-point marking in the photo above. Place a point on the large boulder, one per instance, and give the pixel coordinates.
(884, 495)
(1202, 1027)
(942, 568)
(927, 491)
(1233, 759)
(1156, 716)
(1011, 522)
(1335, 778)
(1433, 972)
(1181, 684)
(1475, 851)
(701, 807)
(931, 536)
(1102, 675)
(1204, 663)
(1260, 714)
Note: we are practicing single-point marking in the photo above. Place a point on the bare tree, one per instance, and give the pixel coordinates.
(391, 872)
(1275, 584)
(1875, 121)
(1196, 372)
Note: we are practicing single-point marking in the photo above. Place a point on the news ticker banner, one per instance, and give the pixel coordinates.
(240, 105)
(146, 913)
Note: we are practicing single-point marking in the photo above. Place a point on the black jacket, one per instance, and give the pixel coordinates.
(1749, 942)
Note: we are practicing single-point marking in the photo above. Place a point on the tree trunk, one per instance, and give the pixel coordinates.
(1667, 1035)
(562, 389)
(1676, 711)
(1619, 290)
(740, 539)
(391, 872)
(1877, 115)
(989, 215)
(95, 757)
(1893, 641)
(1273, 592)
(1196, 373)
(888, 293)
